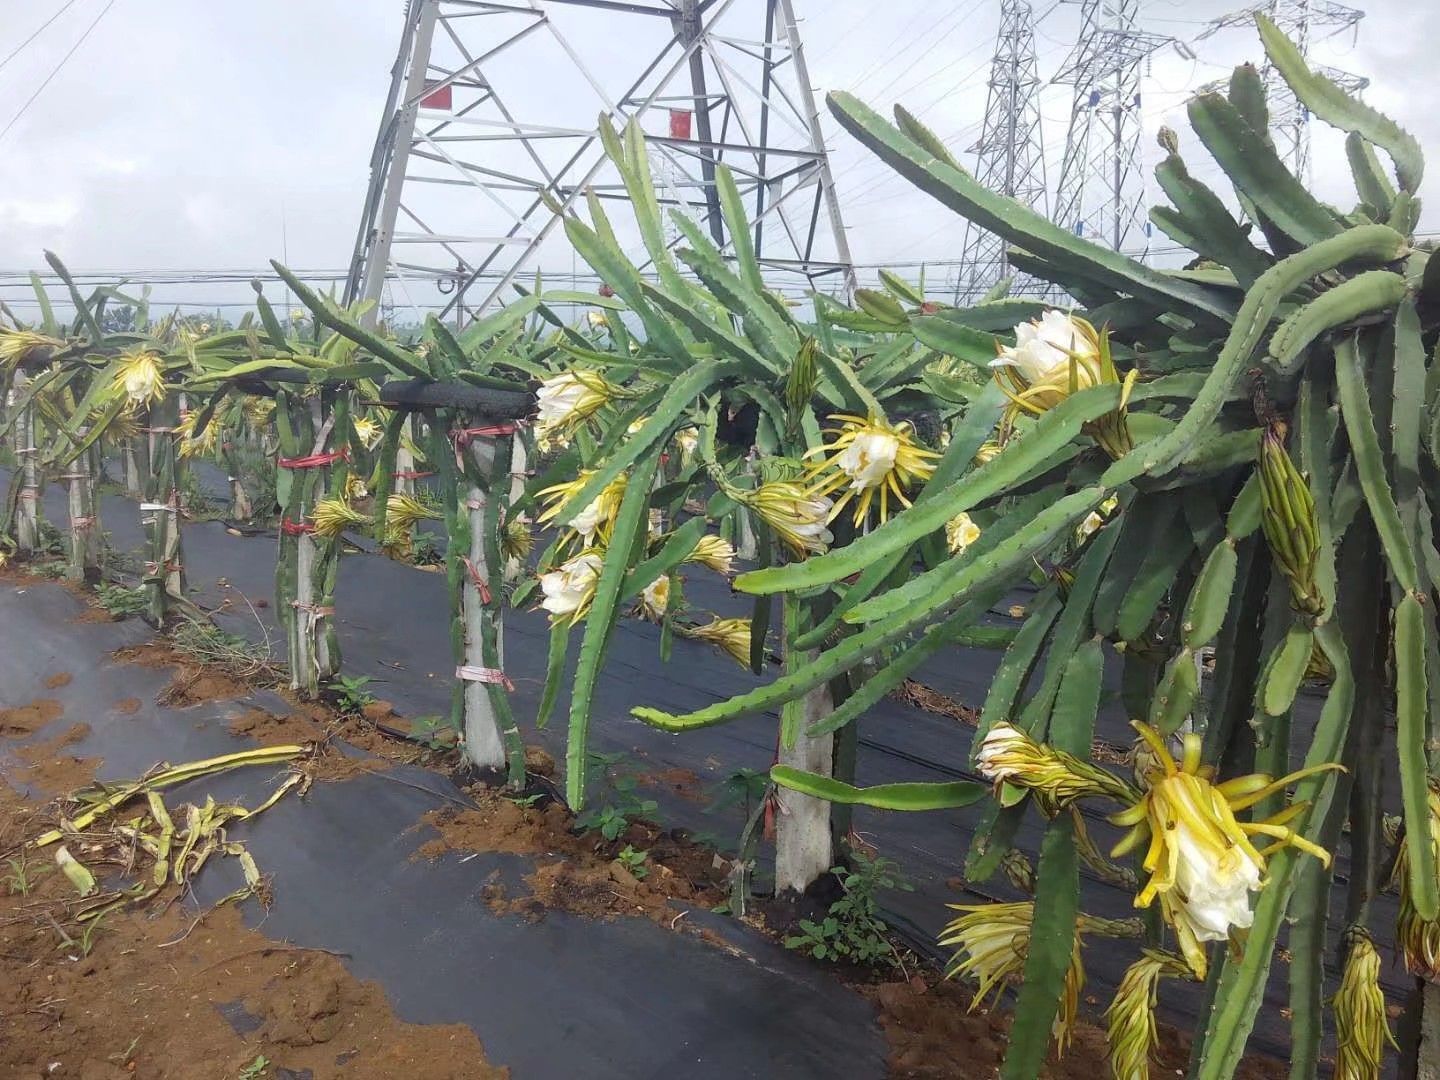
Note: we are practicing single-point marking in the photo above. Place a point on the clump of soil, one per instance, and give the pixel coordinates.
(329, 763)
(28, 719)
(585, 875)
(59, 679)
(682, 782)
(933, 1035)
(164, 994)
(128, 706)
(192, 683)
(46, 767)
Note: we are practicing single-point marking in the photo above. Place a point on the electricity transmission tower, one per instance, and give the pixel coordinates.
(1300, 21)
(490, 126)
(1101, 194)
(1010, 155)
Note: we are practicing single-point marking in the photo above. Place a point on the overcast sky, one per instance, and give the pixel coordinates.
(219, 134)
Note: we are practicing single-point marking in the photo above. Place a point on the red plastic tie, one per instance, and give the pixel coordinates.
(314, 461)
(314, 609)
(478, 579)
(465, 436)
(295, 528)
(411, 474)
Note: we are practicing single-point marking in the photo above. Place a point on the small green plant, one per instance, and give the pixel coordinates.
(743, 787)
(433, 732)
(634, 861)
(23, 873)
(85, 943)
(121, 600)
(426, 549)
(852, 929)
(612, 819)
(609, 821)
(350, 693)
(255, 1070)
(526, 802)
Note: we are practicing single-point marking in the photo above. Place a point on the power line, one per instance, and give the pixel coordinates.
(56, 71)
(39, 30)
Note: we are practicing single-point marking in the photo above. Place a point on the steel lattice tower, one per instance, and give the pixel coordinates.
(1298, 20)
(1010, 155)
(1101, 194)
(490, 124)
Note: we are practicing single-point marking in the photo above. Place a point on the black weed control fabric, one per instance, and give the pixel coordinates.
(392, 626)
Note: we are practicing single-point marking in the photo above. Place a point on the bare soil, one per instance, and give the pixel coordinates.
(580, 873)
(163, 992)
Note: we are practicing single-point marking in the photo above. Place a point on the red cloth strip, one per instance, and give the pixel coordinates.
(314, 461)
(477, 578)
(411, 474)
(484, 675)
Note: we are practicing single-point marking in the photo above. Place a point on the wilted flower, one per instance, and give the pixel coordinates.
(798, 516)
(570, 587)
(355, 487)
(403, 511)
(991, 942)
(516, 539)
(688, 440)
(1419, 939)
(138, 374)
(1130, 1020)
(960, 532)
(593, 520)
(1053, 357)
(19, 345)
(870, 455)
(596, 517)
(1007, 755)
(569, 399)
(367, 431)
(192, 445)
(1361, 1028)
(713, 551)
(655, 598)
(732, 635)
(1096, 518)
(333, 516)
(1201, 861)
(989, 451)
(596, 318)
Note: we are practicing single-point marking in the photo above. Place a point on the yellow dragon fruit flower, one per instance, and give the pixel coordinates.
(869, 455)
(1361, 1027)
(991, 943)
(139, 376)
(17, 346)
(798, 517)
(1130, 1019)
(1202, 862)
(960, 532)
(333, 516)
(1053, 357)
(732, 635)
(714, 552)
(594, 522)
(570, 588)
